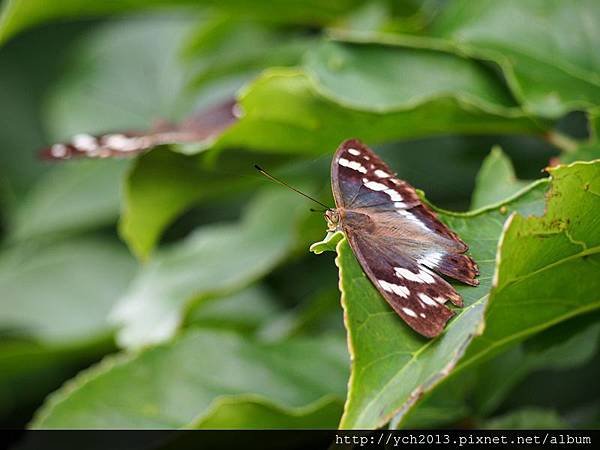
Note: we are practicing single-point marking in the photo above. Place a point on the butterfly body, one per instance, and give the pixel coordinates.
(401, 245)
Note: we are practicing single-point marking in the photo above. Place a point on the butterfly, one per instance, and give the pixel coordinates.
(202, 125)
(401, 245)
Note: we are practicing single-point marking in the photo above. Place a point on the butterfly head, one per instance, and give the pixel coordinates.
(332, 216)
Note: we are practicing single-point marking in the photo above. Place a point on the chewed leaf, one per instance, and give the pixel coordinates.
(548, 267)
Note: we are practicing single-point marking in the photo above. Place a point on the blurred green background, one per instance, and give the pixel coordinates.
(108, 256)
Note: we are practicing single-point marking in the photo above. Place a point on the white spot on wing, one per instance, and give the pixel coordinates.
(431, 259)
(422, 276)
(397, 289)
(122, 143)
(409, 312)
(395, 196)
(58, 150)
(375, 186)
(411, 217)
(400, 205)
(85, 142)
(353, 151)
(382, 173)
(392, 193)
(427, 299)
(354, 165)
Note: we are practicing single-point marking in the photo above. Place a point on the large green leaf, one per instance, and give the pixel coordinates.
(392, 365)
(246, 310)
(123, 75)
(227, 52)
(74, 196)
(215, 260)
(284, 114)
(18, 15)
(567, 345)
(383, 78)
(551, 72)
(29, 66)
(548, 267)
(161, 185)
(496, 180)
(54, 305)
(199, 379)
(252, 412)
(482, 389)
(547, 273)
(61, 293)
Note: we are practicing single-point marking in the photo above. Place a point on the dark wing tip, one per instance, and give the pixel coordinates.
(428, 329)
(350, 142)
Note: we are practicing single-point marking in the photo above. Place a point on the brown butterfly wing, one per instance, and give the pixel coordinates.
(398, 240)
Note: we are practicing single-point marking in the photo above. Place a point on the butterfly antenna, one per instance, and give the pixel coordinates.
(283, 183)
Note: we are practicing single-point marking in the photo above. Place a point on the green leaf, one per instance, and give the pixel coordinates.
(18, 15)
(550, 73)
(392, 365)
(541, 262)
(214, 261)
(527, 419)
(54, 313)
(72, 197)
(29, 67)
(561, 347)
(123, 75)
(202, 376)
(246, 310)
(384, 78)
(160, 186)
(283, 113)
(231, 52)
(496, 180)
(253, 412)
(481, 390)
(61, 293)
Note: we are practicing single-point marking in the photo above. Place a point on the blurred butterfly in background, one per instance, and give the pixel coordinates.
(202, 125)
(400, 243)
